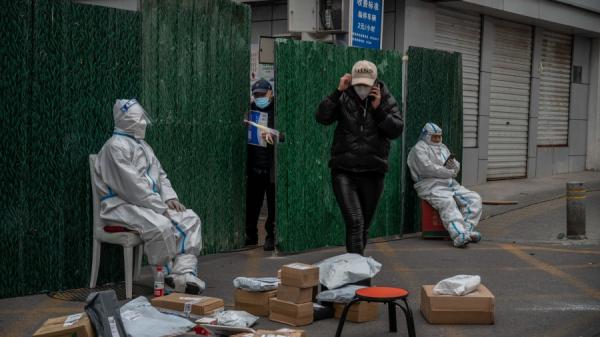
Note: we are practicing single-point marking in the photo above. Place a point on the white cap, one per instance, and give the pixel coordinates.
(364, 72)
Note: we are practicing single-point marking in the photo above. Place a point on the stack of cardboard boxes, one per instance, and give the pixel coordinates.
(294, 302)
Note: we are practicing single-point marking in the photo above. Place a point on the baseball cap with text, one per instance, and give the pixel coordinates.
(364, 72)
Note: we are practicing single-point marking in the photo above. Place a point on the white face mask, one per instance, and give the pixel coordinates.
(362, 91)
(140, 130)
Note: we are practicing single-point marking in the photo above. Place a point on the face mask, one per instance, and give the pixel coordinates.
(362, 90)
(262, 102)
(431, 142)
(140, 130)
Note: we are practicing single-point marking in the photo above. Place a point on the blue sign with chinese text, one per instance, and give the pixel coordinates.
(367, 18)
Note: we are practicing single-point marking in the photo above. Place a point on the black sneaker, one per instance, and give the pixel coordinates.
(269, 244)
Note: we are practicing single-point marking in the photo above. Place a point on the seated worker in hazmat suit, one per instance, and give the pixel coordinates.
(433, 169)
(134, 191)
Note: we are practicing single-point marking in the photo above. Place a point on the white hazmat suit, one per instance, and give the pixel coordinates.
(433, 173)
(134, 190)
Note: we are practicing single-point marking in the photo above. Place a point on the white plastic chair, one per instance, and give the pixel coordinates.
(128, 240)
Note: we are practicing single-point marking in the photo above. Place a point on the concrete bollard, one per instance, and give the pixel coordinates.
(575, 211)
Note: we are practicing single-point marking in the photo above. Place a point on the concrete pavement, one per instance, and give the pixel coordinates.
(543, 286)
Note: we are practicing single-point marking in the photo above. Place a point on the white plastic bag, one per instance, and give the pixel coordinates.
(458, 285)
(236, 318)
(256, 283)
(337, 271)
(340, 295)
(141, 319)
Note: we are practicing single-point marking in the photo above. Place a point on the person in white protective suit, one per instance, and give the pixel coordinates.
(134, 191)
(433, 169)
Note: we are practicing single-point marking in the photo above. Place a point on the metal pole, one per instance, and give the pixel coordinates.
(575, 211)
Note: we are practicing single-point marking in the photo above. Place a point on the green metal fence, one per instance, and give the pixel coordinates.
(434, 94)
(196, 62)
(62, 67)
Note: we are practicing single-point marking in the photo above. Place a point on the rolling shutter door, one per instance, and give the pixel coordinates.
(461, 32)
(509, 101)
(555, 78)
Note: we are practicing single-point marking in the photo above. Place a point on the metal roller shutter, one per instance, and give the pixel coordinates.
(509, 101)
(555, 78)
(461, 32)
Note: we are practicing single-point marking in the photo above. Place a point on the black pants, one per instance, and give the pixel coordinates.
(357, 195)
(258, 183)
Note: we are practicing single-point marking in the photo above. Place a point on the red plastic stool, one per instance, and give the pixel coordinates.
(431, 223)
(382, 295)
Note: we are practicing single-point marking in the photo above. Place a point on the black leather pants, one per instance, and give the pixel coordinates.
(357, 195)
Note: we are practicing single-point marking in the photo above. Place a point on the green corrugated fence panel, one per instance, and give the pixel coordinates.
(434, 94)
(307, 213)
(63, 65)
(15, 98)
(196, 61)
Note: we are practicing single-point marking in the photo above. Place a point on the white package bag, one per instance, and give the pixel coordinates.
(339, 295)
(256, 283)
(141, 319)
(236, 318)
(337, 271)
(458, 285)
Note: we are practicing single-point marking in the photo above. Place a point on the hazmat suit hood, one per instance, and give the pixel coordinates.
(429, 130)
(130, 118)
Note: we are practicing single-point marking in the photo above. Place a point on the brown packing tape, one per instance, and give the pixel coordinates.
(54, 327)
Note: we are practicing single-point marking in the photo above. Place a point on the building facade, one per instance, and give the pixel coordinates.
(530, 76)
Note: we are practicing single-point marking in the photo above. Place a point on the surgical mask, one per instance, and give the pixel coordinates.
(362, 91)
(431, 142)
(262, 102)
(140, 129)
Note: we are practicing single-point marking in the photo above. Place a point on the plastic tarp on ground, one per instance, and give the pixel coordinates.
(307, 213)
(434, 94)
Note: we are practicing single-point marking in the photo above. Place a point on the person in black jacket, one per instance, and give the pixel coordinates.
(367, 118)
(260, 166)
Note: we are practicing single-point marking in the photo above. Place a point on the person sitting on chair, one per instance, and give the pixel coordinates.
(135, 192)
(433, 168)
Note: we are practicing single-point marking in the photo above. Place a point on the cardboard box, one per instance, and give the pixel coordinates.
(281, 332)
(78, 325)
(198, 305)
(474, 308)
(256, 303)
(291, 313)
(300, 275)
(295, 294)
(359, 313)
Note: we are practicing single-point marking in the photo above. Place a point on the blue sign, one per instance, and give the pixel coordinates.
(367, 19)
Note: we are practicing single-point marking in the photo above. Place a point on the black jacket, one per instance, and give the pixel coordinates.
(362, 136)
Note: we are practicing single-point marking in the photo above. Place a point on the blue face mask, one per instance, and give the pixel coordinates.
(262, 102)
